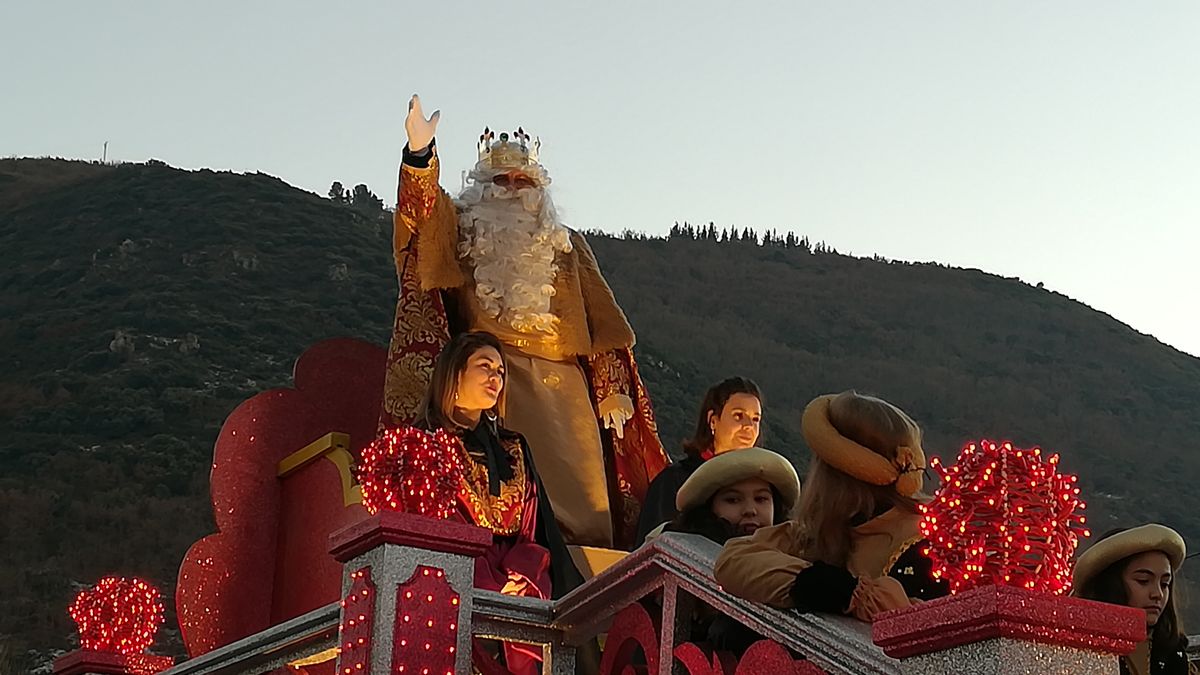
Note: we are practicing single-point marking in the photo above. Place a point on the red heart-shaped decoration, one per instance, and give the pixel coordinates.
(118, 615)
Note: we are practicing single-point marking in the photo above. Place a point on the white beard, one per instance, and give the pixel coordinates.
(512, 240)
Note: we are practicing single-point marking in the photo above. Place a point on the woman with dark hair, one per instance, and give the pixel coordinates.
(1136, 568)
(500, 489)
(729, 419)
(733, 495)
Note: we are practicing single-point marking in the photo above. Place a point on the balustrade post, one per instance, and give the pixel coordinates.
(998, 630)
(408, 588)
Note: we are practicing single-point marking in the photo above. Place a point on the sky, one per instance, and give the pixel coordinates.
(1054, 142)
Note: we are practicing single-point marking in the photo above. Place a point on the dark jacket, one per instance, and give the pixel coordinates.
(659, 505)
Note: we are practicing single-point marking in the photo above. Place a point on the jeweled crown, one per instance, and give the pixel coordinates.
(508, 152)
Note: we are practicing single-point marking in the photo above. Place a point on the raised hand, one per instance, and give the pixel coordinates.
(420, 130)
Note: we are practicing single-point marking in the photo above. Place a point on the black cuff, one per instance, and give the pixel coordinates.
(823, 588)
(915, 572)
(419, 160)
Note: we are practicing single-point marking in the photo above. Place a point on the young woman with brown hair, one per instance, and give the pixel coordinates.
(852, 545)
(1136, 568)
(730, 418)
(500, 489)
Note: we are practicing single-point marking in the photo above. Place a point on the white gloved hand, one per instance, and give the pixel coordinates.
(420, 130)
(615, 411)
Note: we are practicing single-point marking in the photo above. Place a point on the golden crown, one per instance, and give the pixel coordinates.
(509, 152)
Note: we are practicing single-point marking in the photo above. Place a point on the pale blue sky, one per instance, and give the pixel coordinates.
(1057, 142)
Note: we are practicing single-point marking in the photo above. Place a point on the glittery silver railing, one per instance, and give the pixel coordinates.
(275, 647)
(677, 565)
(680, 565)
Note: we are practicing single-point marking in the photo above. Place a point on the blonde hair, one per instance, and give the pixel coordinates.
(831, 502)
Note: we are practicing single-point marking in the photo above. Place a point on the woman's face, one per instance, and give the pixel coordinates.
(1147, 579)
(481, 380)
(748, 505)
(737, 425)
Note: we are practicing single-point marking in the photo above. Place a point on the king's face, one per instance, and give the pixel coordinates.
(514, 180)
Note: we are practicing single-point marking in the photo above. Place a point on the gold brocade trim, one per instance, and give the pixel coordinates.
(609, 375)
(419, 191)
(418, 321)
(405, 384)
(499, 513)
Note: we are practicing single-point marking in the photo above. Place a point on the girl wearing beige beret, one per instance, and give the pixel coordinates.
(853, 545)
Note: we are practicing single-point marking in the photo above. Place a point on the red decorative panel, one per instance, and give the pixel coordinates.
(697, 661)
(426, 632)
(358, 618)
(269, 559)
(632, 628)
(765, 656)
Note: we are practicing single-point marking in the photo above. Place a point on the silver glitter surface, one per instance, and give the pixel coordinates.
(392, 565)
(1006, 656)
(680, 565)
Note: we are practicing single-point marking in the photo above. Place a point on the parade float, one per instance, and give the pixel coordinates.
(333, 552)
(299, 577)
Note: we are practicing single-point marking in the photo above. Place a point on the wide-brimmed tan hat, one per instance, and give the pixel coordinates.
(735, 466)
(856, 460)
(1149, 537)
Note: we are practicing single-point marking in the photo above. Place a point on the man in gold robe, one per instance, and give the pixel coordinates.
(498, 259)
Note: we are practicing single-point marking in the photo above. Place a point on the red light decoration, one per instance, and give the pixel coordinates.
(407, 469)
(1003, 516)
(117, 615)
(358, 618)
(426, 636)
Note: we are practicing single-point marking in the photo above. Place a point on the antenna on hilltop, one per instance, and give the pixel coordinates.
(104, 155)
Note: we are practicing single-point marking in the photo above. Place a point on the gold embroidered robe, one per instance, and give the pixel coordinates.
(557, 387)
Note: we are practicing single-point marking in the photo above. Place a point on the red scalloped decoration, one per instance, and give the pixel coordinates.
(269, 559)
(697, 661)
(1003, 516)
(632, 628)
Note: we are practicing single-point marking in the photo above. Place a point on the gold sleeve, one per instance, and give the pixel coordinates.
(762, 567)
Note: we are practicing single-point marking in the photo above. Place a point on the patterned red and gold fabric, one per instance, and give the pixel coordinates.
(422, 327)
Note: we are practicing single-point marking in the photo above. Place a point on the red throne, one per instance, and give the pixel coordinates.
(281, 483)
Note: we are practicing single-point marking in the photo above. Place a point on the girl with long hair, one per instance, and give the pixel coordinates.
(500, 489)
(853, 543)
(730, 418)
(1137, 568)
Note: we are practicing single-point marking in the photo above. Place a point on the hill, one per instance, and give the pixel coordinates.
(139, 304)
